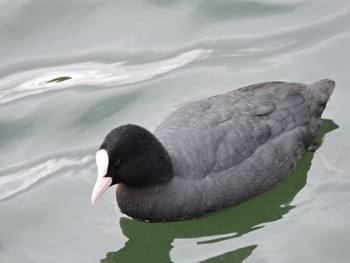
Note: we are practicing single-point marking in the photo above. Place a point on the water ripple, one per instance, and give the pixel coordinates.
(14, 183)
(91, 74)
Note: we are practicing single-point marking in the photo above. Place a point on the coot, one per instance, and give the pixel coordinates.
(213, 153)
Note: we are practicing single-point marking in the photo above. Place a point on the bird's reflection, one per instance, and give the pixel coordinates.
(153, 242)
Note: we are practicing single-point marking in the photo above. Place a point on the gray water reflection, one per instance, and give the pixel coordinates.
(218, 11)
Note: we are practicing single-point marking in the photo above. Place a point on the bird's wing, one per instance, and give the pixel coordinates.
(215, 134)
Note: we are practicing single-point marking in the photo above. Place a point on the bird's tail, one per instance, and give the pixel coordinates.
(320, 93)
(322, 90)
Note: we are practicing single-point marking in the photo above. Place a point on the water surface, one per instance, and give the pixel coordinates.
(73, 70)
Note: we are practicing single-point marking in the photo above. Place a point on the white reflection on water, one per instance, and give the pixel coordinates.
(91, 73)
(16, 182)
(332, 165)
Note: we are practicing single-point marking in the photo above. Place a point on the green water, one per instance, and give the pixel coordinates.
(73, 70)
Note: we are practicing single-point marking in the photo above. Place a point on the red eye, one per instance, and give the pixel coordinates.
(117, 162)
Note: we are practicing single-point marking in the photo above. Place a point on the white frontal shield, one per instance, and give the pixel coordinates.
(102, 183)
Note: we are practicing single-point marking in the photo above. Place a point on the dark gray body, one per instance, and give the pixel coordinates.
(229, 148)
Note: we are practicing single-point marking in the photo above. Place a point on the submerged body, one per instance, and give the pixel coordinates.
(213, 153)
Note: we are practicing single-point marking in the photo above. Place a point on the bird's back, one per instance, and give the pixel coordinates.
(212, 135)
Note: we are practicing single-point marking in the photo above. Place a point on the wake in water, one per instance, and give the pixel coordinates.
(12, 184)
(91, 73)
